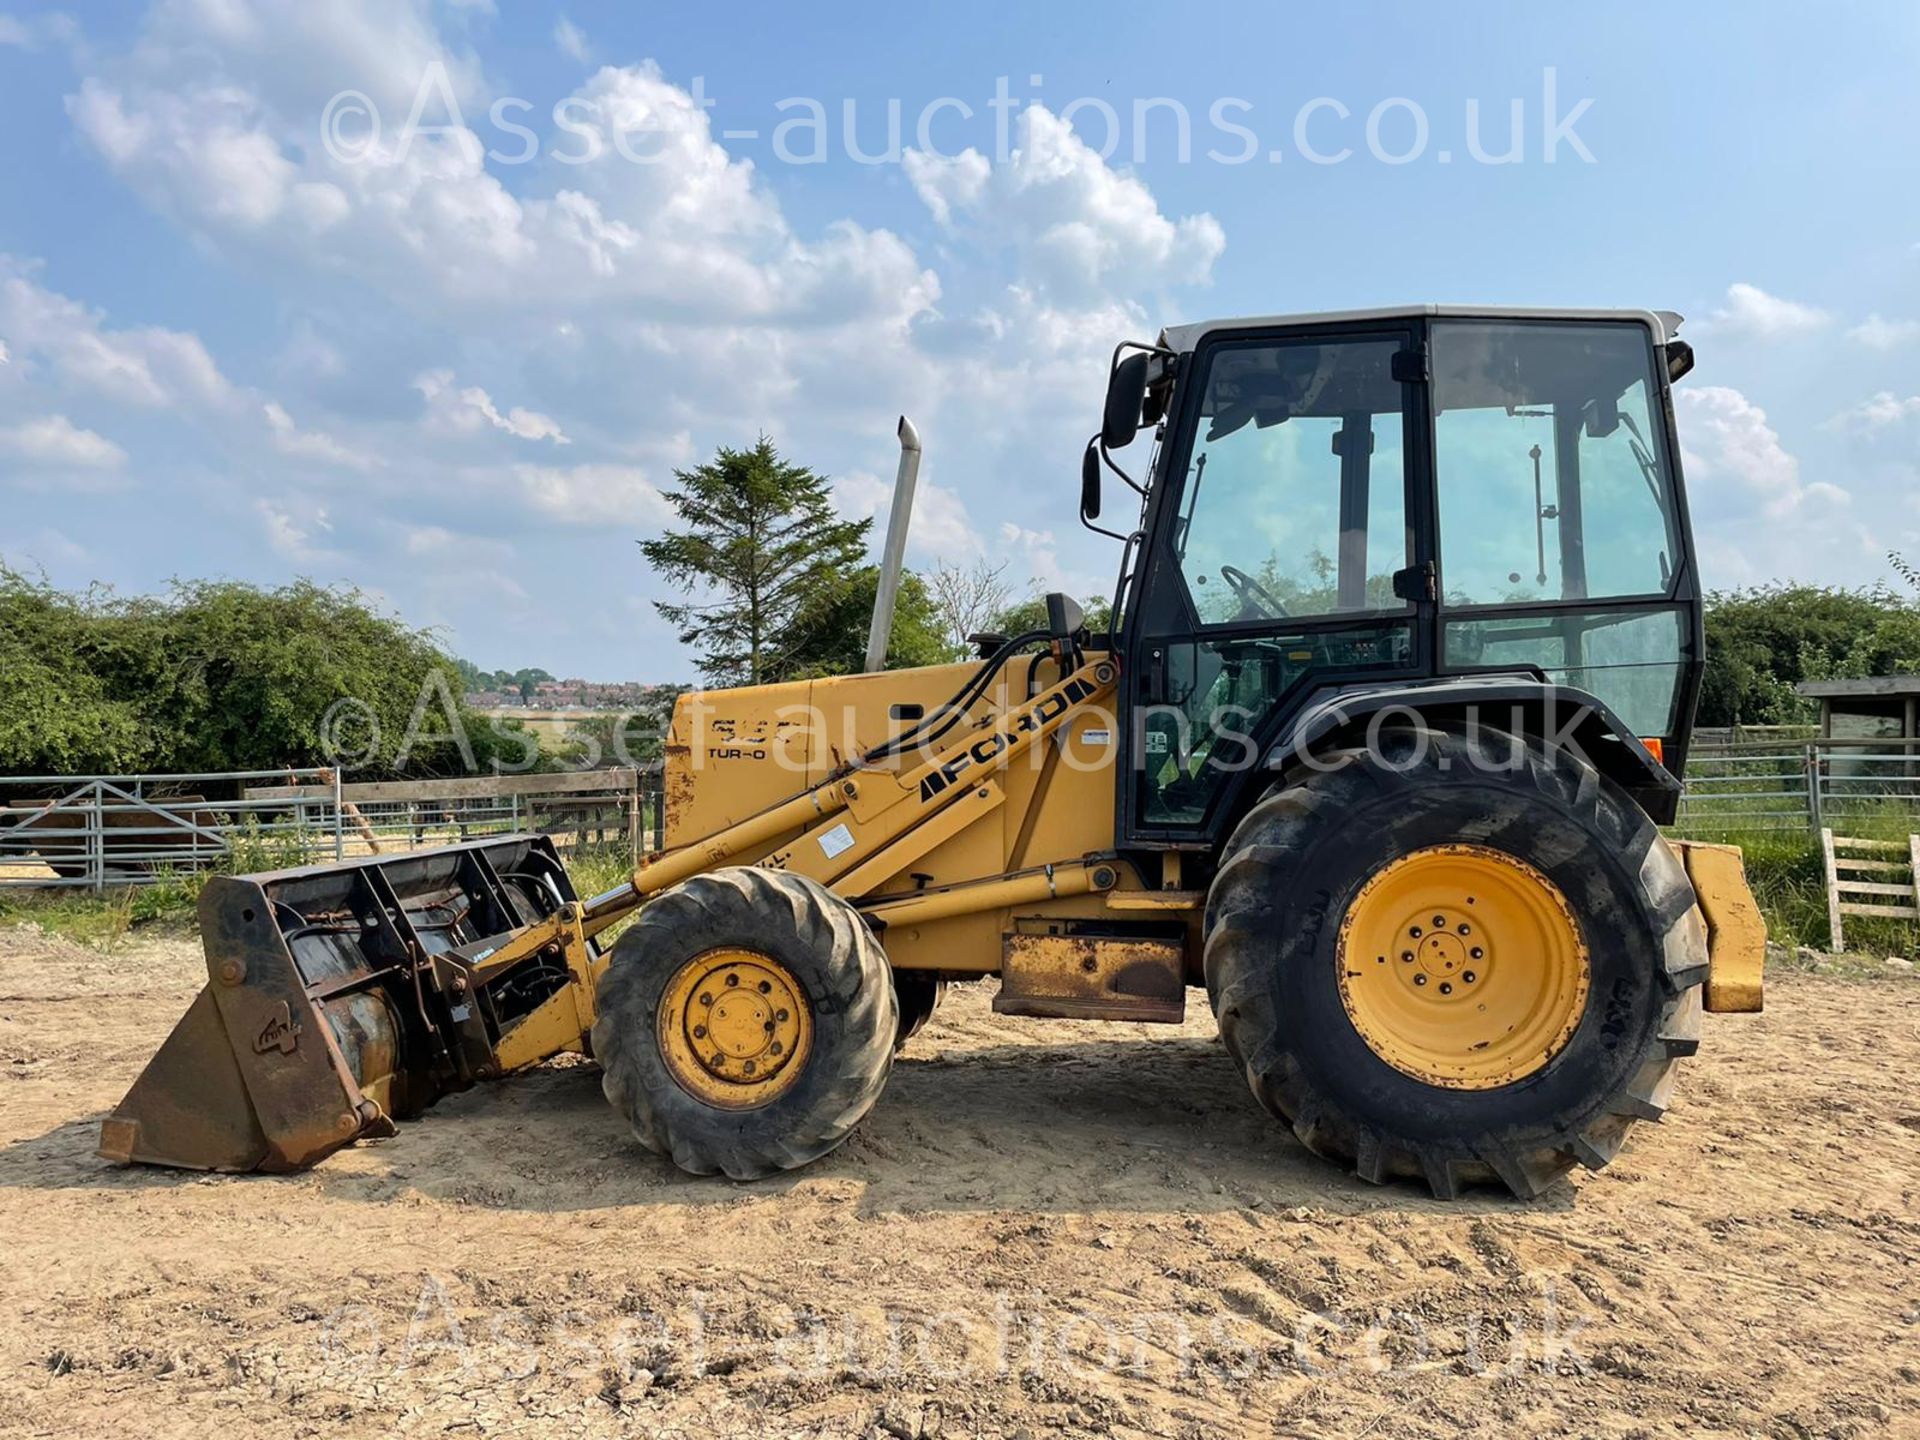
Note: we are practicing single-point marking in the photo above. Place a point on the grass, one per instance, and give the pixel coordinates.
(105, 921)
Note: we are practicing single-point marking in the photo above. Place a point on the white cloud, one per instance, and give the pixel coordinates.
(1878, 334)
(56, 441)
(430, 540)
(295, 530)
(1727, 438)
(1081, 226)
(939, 528)
(673, 303)
(290, 440)
(662, 217)
(1751, 313)
(1039, 553)
(14, 32)
(148, 367)
(1876, 412)
(593, 495)
(305, 53)
(571, 42)
(466, 411)
(459, 556)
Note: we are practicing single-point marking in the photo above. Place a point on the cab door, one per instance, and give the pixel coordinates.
(1285, 553)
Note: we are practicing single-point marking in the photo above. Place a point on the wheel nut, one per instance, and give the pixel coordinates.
(749, 1067)
(1465, 929)
(1445, 988)
(1406, 955)
(1414, 931)
(1439, 922)
(699, 1032)
(780, 1015)
(706, 999)
(1467, 975)
(1419, 979)
(733, 979)
(766, 987)
(1477, 953)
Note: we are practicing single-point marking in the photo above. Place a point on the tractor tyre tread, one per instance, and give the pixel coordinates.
(1271, 908)
(825, 944)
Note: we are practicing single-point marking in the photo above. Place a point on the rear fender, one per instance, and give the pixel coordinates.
(1559, 714)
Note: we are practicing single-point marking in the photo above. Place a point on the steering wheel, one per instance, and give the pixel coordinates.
(1252, 595)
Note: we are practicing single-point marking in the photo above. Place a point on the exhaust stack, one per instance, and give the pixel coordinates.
(893, 558)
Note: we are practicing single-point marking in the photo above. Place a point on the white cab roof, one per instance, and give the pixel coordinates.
(1664, 323)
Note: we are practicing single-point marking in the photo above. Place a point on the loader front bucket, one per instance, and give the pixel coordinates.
(339, 998)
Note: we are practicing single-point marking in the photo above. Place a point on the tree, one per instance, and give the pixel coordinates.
(629, 737)
(215, 677)
(830, 633)
(1762, 642)
(967, 600)
(761, 546)
(1031, 614)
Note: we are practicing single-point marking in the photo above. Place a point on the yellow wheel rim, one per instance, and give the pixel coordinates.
(735, 1028)
(1463, 967)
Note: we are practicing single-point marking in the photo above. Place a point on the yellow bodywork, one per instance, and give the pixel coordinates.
(1736, 931)
(978, 852)
(949, 884)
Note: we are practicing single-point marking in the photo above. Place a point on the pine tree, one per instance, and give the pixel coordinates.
(760, 549)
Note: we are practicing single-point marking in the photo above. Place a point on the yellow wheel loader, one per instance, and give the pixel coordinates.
(1397, 688)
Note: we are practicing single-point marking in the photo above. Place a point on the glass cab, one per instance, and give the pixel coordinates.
(1369, 502)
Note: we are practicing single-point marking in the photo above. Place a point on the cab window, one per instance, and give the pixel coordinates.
(1295, 498)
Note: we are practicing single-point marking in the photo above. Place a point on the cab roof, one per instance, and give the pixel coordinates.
(1665, 324)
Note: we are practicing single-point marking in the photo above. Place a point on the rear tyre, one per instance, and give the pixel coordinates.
(1346, 901)
(746, 1023)
(918, 995)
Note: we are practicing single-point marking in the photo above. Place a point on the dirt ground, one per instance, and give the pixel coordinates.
(1042, 1229)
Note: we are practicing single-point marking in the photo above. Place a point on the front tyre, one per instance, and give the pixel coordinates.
(917, 996)
(1458, 961)
(746, 1023)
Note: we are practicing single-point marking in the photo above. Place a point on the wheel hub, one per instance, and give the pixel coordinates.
(1462, 966)
(735, 1028)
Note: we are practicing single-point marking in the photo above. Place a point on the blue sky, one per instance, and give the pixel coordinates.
(461, 381)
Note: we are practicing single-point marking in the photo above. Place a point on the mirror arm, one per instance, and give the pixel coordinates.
(1106, 455)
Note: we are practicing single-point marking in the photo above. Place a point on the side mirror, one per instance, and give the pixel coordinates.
(1679, 359)
(1065, 618)
(1126, 393)
(1090, 483)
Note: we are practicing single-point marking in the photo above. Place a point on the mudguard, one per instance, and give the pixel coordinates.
(1563, 714)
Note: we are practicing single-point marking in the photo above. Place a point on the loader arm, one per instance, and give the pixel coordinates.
(344, 996)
